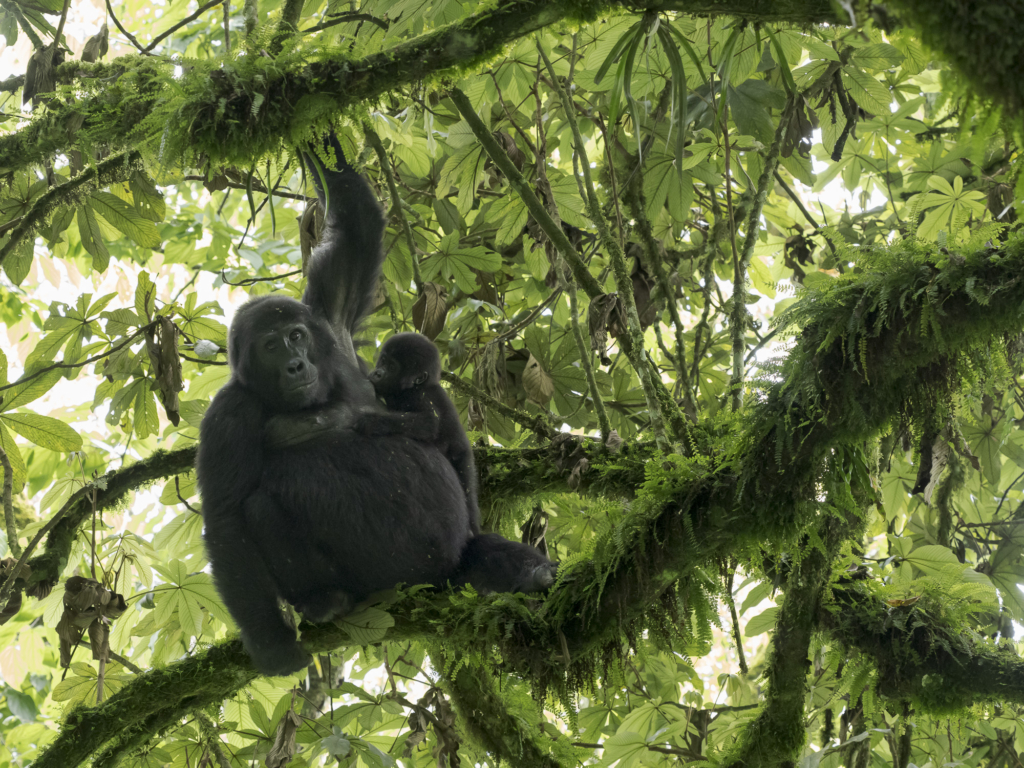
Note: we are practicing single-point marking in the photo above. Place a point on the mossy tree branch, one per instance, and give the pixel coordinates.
(453, 47)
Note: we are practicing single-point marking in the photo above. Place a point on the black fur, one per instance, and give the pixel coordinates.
(408, 377)
(325, 516)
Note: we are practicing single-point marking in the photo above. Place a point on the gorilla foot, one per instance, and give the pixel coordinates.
(279, 659)
(538, 579)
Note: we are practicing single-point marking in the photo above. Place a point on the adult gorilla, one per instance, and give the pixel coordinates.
(323, 516)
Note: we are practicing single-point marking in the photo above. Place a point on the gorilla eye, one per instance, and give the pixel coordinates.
(297, 334)
(270, 346)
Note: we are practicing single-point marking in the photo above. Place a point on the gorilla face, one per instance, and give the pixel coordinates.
(406, 361)
(283, 353)
(286, 349)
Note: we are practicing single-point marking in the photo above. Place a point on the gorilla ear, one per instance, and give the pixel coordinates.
(415, 381)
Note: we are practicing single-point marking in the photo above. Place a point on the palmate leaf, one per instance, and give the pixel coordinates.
(725, 69)
(780, 58)
(678, 112)
(626, 39)
(92, 238)
(623, 85)
(28, 388)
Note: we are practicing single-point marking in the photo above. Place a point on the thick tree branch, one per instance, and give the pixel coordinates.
(455, 46)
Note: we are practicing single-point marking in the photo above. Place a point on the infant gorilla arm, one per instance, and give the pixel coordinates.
(324, 517)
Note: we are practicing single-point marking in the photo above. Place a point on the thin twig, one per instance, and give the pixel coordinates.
(12, 528)
(396, 201)
(125, 32)
(254, 280)
(344, 18)
(255, 188)
(81, 364)
(167, 33)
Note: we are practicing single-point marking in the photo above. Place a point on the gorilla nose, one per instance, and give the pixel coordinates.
(296, 368)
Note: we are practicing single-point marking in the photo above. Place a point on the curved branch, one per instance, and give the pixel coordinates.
(452, 47)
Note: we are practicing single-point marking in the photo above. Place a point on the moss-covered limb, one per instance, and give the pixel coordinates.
(739, 316)
(455, 46)
(533, 203)
(908, 328)
(776, 735)
(979, 39)
(485, 715)
(47, 566)
(917, 659)
(154, 700)
(10, 525)
(110, 171)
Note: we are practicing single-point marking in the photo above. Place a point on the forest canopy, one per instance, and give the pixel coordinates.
(728, 295)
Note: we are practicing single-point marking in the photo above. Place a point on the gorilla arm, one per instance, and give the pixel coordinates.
(229, 465)
(345, 267)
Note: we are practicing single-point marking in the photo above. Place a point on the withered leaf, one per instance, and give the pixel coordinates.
(162, 345)
(430, 310)
(87, 602)
(537, 382)
(576, 476)
(96, 46)
(284, 741)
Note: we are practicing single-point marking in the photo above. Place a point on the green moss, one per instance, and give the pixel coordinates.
(984, 40)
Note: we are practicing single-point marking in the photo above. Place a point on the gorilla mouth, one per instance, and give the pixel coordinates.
(302, 385)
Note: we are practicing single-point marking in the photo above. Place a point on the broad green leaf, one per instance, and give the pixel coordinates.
(125, 218)
(367, 625)
(44, 431)
(92, 238)
(763, 622)
(872, 95)
(877, 56)
(28, 388)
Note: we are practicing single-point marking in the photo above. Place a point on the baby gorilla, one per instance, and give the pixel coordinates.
(408, 377)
